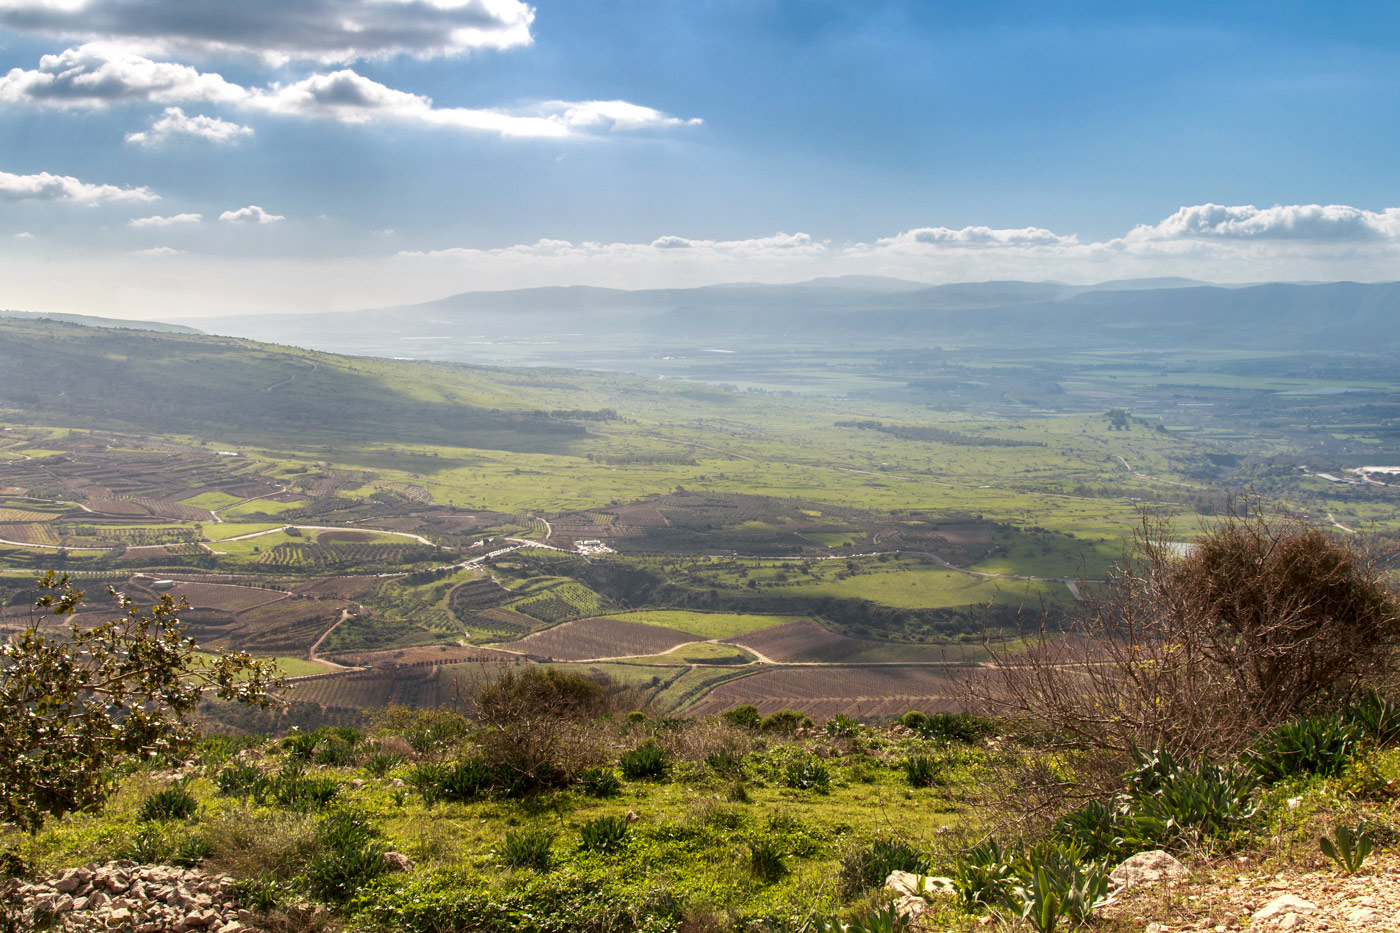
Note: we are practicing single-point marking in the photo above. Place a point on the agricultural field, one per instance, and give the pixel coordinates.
(598, 638)
(868, 693)
(876, 506)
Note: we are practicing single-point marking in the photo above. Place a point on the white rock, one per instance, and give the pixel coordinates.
(1146, 868)
(1284, 904)
(906, 882)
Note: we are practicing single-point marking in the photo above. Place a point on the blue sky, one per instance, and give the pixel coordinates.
(164, 157)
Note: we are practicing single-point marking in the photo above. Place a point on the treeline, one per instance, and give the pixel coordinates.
(934, 435)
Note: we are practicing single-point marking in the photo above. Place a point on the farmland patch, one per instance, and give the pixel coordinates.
(599, 638)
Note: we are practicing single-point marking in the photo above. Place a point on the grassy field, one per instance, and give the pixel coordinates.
(703, 625)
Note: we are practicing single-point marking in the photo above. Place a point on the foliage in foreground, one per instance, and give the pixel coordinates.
(73, 708)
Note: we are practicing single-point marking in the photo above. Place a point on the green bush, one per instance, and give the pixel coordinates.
(527, 848)
(785, 722)
(381, 763)
(865, 866)
(727, 763)
(240, 780)
(1323, 744)
(334, 751)
(173, 803)
(647, 760)
(1377, 716)
(982, 876)
(922, 771)
(1056, 882)
(349, 855)
(301, 746)
(1167, 802)
(606, 834)
(809, 774)
(914, 720)
(746, 716)
(466, 780)
(598, 782)
(766, 860)
(841, 725)
(1348, 848)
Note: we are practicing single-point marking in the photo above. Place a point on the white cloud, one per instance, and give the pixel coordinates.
(252, 214)
(279, 31)
(663, 249)
(99, 75)
(24, 235)
(158, 251)
(1293, 221)
(176, 123)
(170, 221)
(352, 98)
(47, 187)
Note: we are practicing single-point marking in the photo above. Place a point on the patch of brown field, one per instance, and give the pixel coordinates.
(584, 639)
(415, 687)
(329, 537)
(227, 597)
(870, 693)
(965, 532)
(806, 641)
(644, 516)
(351, 587)
(425, 655)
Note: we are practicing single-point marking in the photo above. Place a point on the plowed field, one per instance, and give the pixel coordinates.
(599, 638)
(822, 692)
(805, 640)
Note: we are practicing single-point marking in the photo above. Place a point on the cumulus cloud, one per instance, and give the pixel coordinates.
(935, 237)
(1292, 221)
(170, 221)
(325, 31)
(175, 123)
(98, 75)
(349, 97)
(158, 251)
(47, 187)
(24, 235)
(666, 248)
(252, 214)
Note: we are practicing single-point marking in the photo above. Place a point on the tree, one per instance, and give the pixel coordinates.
(1262, 618)
(73, 707)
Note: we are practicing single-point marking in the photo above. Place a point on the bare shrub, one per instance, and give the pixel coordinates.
(542, 724)
(1262, 618)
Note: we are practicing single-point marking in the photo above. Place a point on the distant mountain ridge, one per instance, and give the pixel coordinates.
(1148, 313)
(88, 320)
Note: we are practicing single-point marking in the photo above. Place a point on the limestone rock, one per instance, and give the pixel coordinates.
(1146, 868)
(1284, 904)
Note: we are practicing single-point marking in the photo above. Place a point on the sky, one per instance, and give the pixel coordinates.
(179, 158)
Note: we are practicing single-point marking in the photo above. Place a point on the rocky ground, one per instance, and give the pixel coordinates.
(124, 896)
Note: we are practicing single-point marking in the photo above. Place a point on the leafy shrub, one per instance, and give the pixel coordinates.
(527, 848)
(884, 919)
(865, 866)
(727, 763)
(1347, 848)
(915, 720)
(766, 860)
(1307, 745)
(1377, 716)
(598, 782)
(1265, 618)
(264, 893)
(785, 722)
(922, 771)
(1055, 882)
(746, 716)
(841, 725)
(427, 731)
(954, 727)
(1167, 801)
(240, 780)
(606, 834)
(334, 751)
(301, 746)
(982, 876)
(465, 780)
(191, 851)
(636, 717)
(1100, 829)
(381, 763)
(426, 777)
(350, 854)
(809, 774)
(296, 791)
(173, 803)
(647, 760)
